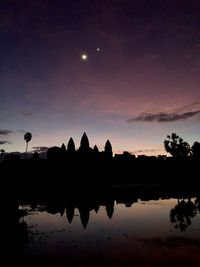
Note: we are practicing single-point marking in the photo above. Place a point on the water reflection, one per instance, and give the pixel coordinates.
(84, 209)
(70, 213)
(181, 215)
(15, 229)
(122, 226)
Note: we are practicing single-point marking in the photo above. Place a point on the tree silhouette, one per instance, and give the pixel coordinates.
(176, 146)
(35, 156)
(54, 153)
(196, 150)
(27, 138)
(2, 153)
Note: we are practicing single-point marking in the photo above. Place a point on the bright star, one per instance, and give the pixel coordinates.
(84, 57)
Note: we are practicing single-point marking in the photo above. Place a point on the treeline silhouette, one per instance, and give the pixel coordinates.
(88, 166)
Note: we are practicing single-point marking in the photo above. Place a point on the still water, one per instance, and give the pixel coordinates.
(164, 232)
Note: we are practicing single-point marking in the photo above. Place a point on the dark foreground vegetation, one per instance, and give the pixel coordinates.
(27, 176)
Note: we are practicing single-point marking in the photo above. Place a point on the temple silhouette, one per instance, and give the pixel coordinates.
(85, 167)
(84, 152)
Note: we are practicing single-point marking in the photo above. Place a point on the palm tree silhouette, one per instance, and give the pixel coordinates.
(2, 153)
(27, 137)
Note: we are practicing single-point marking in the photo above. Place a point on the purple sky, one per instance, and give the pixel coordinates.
(142, 84)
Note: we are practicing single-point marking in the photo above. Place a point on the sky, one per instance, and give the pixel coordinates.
(139, 80)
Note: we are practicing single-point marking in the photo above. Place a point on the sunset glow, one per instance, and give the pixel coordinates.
(140, 81)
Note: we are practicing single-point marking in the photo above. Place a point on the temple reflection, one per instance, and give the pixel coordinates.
(110, 208)
(84, 215)
(70, 213)
(180, 216)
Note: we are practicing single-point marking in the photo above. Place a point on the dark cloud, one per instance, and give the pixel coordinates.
(164, 117)
(40, 149)
(5, 132)
(4, 142)
(189, 107)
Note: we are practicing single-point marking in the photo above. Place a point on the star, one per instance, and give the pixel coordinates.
(84, 57)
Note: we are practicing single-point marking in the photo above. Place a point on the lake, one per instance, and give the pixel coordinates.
(112, 232)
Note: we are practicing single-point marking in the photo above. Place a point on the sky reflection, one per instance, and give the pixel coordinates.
(132, 232)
